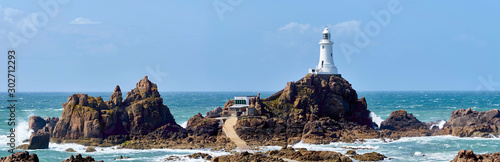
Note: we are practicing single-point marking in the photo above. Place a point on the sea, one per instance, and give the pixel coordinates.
(427, 106)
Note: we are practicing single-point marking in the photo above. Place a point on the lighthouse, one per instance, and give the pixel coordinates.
(325, 65)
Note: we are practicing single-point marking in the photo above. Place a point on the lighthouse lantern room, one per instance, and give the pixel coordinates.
(325, 65)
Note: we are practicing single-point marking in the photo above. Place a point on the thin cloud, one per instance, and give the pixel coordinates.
(346, 27)
(9, 14)
(294, 26)
(472, 39)
(83, 21)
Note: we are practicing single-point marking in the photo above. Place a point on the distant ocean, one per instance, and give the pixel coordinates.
(426, 106)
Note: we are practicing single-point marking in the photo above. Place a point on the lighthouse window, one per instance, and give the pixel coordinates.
(325, 36)
(323, 47)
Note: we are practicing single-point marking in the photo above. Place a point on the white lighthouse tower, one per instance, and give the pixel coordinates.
(325, 65)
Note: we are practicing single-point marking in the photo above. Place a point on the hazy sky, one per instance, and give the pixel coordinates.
(243, 45)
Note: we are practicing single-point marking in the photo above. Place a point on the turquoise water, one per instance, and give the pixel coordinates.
(427, 106)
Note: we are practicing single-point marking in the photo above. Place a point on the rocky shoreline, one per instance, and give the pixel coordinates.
(317, 109)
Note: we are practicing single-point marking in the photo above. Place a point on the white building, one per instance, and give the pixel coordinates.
(241, 106)
(325, 65)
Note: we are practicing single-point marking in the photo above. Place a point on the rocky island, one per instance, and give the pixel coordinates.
(317, 109)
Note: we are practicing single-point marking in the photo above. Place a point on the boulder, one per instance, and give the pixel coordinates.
(79, 158)
(39, 140)
(36, 123)
(401, 124)
(471, 123)
(90, 149)
(70, 150)
(400, 120)
(20, 157)
(469, 156)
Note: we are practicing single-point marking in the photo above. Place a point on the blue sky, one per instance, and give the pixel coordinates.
(251, 45)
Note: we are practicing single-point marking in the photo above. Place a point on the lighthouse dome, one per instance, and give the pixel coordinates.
(326, 34)
(326, 31)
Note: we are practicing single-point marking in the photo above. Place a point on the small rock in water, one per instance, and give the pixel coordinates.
(90, 149)
(70, 150)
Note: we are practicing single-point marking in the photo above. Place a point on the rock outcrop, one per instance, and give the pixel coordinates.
(469, 156)
(20, 157)
(304, 155)
(245, 156)
(47, 125)
(471, 123)
(401, 124)
(315, 109)
(200, 126)
(214, 113)
(79, 158)
(372, 156)
(87, 117)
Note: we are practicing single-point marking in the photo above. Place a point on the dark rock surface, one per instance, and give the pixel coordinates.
(20, 157)
(304, 155)
(469, 156)
(471, 123)
(200, 155)
(199, 126)
(87, 117)
(372, 156)
(401, 124)
(36, 123)
(39, 140)
(245, 156)
(79, 158)
(326, 102)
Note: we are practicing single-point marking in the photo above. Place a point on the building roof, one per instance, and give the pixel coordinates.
(245, 96)
(238, 106)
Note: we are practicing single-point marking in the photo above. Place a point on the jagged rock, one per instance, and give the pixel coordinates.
(401, 124)
(471, 123)
(469, 156)
(79, 158)
(20, 157)
(373, 156)
(245, 156)
(351, 153)
(198, 125)
(116, 98)
(214, 113)
(39, 140)
(37, 123)
(200, 155)
(327, 102)
(114, 121)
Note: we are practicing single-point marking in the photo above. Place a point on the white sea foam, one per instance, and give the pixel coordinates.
(22, 131)
(376, 119)
(112, 151)
(184, 125)
(440, 124)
